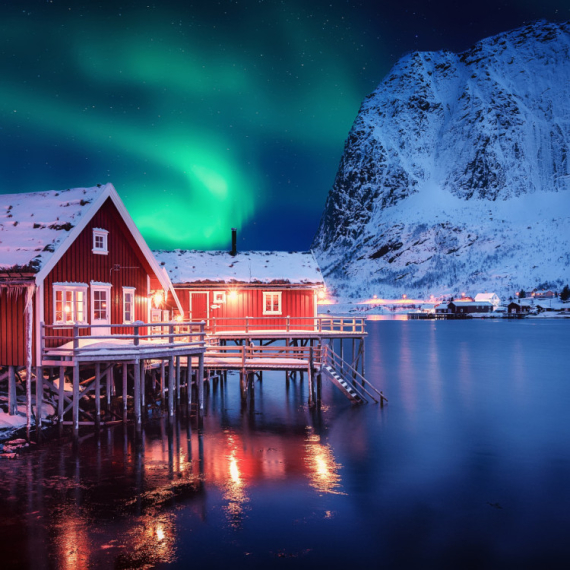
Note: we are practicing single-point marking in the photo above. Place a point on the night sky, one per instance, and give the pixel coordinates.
(207, 115)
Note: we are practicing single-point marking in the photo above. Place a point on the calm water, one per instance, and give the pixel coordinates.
(468, 466)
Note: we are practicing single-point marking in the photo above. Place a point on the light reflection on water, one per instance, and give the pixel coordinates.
(468, 465)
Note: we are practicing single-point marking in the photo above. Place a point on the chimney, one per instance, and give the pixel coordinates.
(234, 242)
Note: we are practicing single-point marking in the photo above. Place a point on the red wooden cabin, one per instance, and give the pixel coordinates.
(73, 256)
(275, 290)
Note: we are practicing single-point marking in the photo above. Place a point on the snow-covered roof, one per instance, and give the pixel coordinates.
(189, 266)
(472, 303)
(33, 225)
(486, 297)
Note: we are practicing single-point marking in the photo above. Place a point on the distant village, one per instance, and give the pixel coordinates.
(536, 303)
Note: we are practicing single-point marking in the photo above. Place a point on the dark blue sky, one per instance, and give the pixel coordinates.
(207, 115)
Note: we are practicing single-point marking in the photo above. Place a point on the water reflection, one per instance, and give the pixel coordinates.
(115, 499)
(323, 470)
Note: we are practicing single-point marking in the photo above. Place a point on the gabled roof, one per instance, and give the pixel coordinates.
(486, 297)
(34, 225)
(262, 267)
(37, 228)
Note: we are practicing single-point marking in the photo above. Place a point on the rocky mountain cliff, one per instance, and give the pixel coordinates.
(456, 174)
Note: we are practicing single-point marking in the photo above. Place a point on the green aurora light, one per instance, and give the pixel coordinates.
(205, 117)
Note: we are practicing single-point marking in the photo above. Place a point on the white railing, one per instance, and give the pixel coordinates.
(220, 325)
(144, 336)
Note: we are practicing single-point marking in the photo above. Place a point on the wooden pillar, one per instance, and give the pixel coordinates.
(98, 391)
(12, 396)
(39, 395)
(310, 377)
(143, 387)
(137, 393)
(61, 394)
(200, 380)
(178, 380)
(162, 380)
(108, 377)
(171, 386)
(363, 358)
(125, 378)
(76, 396)
(189, 382)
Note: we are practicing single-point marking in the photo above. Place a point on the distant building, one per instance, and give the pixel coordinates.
(515, 308)
(442, 309)
(492, 298)
(544, 294)
(467, 307)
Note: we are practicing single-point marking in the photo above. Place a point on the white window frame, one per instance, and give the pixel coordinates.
(73, 288)
(104, 248)
(95, 286)
(271, 294)
(219, 297)
(129, 291)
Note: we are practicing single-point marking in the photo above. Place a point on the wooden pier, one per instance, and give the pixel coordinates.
(169, 363)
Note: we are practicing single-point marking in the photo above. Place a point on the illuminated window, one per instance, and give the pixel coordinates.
(272, 303)
(219, 297)
(100, 242)
(69, 303)
(128, 305)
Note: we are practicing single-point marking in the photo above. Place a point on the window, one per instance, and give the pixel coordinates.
(128, 305)
(272, 303)
(219, 297)
(69, 303)
(100, 241)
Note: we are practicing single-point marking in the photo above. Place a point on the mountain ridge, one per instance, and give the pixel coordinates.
(447, 168)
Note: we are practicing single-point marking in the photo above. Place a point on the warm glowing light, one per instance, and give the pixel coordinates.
(404, 296)
(375, 296)
(179, 318)
(157, 299)
(323, 469)
(234, 470)
(68, 308)
(233, 295)
(160, 533)
(321, 294)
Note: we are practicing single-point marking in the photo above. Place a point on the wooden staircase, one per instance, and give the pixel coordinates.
(343, 385)
(348, 380)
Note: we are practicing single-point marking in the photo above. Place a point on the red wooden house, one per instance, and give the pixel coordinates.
(275, 290)
(72, 256)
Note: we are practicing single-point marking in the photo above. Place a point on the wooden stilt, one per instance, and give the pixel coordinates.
(125, 378)
(39, 394)
(12, 396)
(137, 393)
(162, 380)
(108, 377)
(98, 391)
(362, 364)
(200, 380)
(61, 393)
(143, 387)
(189, 382)
(171, 386)
(76, 396)
(178, 380)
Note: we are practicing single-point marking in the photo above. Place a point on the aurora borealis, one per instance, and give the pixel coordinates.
(208, 115)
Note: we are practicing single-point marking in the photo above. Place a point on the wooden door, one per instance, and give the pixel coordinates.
(199, 309)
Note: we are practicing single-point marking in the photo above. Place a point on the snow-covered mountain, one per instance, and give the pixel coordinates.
(456, 174)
